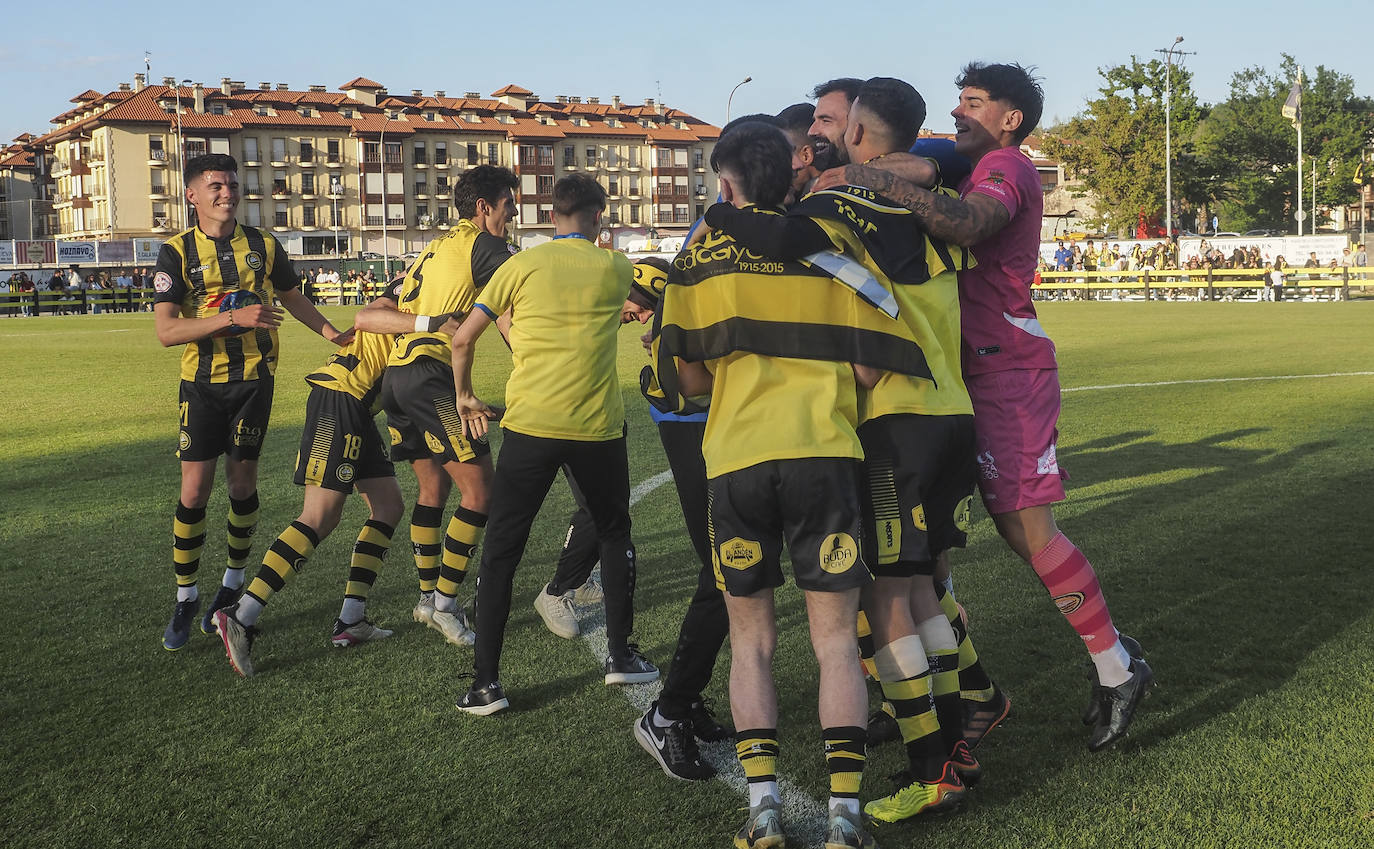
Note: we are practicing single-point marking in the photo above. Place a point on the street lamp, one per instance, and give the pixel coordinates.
(1168, 141)
(335, 189)
(732, 96)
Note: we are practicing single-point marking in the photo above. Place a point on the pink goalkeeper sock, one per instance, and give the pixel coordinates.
(1073, 585)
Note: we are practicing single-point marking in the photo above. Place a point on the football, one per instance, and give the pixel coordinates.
(234, 300)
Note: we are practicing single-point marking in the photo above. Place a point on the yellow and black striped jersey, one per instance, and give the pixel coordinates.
(357, 368)
(197, 272)
(445, 279)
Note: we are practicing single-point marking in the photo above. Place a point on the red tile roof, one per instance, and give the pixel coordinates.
(511, 89)
(360, 82)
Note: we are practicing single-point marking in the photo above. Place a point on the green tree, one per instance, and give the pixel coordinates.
(1116, 146)
(1247, 150)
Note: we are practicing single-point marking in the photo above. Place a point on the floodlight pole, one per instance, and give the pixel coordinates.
(1168, 141)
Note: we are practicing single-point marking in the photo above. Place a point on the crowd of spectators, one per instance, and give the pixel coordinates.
(327, 286)
(74, 292)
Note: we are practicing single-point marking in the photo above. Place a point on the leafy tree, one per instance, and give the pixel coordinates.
(1248, 150)
(1116, 146)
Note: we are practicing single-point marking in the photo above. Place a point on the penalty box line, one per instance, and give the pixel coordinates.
(1219, 380)
(804, 817)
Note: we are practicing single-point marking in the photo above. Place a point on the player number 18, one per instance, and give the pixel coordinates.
(352, 445)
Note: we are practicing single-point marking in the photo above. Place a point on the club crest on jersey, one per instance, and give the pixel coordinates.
(184, 440)
(740, 553)
(997, 177)
(345, 473)
(253, 260)
(838, 553)
(162, 281)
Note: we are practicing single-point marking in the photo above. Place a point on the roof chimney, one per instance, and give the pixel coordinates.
(615, 101)
(140, 81)
(283, 87)
(198, 92)
(264, 86)
(593, 100)
(169, 81)
(318, 88)
(225, 85)
(472, 95)
(415, 92)
(124, 87)
(438, 92)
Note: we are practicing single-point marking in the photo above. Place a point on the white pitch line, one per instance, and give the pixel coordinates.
(1220, 380)
(67, 333)
(804, 818)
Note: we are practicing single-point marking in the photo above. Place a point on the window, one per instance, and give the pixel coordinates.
(700, 189)
(307, 150)
(421, 188)
(680, 157)
(279, 182)
(441, 153)
(421, 214)
(634, 157)
(278, 150)
(307, 183)
(333, 151)
(700, 210)
(591, 156)
(371, 152)
(663, 158)
(546, 154)
(615, 216)
(441, 184)
(545, 216)
(159, 186)
(441, 215)
(494, 154)
(253, 214)
(420, 153)
(527, 155)
(282, 218)
(160, 215)
(251, 184)
(634, 187)
(155, 150)
(634, 213)
(543, 184)
(305, 111)
(393, 153)
(569, 156)
(613, 186)
(336, 216)
(336, 188)
(680, 214)
(308, 216)
(217, 108)
(195, 147)
(472, 153)
(250, 149)
(698, 158)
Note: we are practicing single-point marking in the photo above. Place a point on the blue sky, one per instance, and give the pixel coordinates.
(689, 54)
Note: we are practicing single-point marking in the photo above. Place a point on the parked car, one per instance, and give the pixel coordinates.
(1263, 232)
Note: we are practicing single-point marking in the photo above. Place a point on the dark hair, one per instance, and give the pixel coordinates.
(198, 165)
(796, 118)
(1010, 84)
(759, 156)
(761, 117)
(897, 106)
(485, 182)
(577, 193)
(849, 85)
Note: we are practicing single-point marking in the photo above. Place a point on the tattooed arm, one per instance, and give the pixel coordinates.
(961, 222)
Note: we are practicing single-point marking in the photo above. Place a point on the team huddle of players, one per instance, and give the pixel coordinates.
(845, 350)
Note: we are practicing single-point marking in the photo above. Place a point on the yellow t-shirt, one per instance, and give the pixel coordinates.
(565, 299)
(778, 408)
(356, 369)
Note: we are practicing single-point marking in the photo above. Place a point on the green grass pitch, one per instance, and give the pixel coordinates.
(1228, 520)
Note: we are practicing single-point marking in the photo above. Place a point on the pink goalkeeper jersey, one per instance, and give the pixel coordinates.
(999, 325)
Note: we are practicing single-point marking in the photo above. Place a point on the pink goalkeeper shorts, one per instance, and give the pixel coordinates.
(1014, 415)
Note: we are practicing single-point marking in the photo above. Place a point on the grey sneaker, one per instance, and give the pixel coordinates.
(557, 613)
(763, 829)
(590, 592)
(424, 609)
(238, 640)
(844, 831)
(454, 626)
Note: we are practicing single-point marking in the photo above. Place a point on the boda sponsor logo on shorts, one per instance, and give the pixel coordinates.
(918, 517)
(740, 553)
(838, 553)
(435, 446)
(345, 473)
(247, 436)
(1069, 602)
(395, 435)
(963, 514)
(183, 440)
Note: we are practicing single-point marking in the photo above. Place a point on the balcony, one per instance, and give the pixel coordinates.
(310, 195)
(253, 192)
(157, 158)
(421, 193)
(441, 163)
(420, 163)
(307, 161)
(279, 190)
(278, 161)
(333, 162)
(251, 161)
(158, 193)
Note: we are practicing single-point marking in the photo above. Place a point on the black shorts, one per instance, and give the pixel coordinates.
(813, 503)
(421, 414)
(223, 418)
(340, 443)
(921, 474)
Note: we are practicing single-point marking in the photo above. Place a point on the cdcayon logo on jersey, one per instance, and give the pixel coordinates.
(838, 553)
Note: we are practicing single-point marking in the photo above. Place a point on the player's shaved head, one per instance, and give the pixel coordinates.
(893, 109)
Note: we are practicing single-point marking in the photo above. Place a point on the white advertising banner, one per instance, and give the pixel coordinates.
(75, 253)
(7, 252)
(146, 250)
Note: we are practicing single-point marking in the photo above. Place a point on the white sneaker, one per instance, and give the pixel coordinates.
(454, 626)
(362, 631)
(589, 593)
(557, 613)
(424, 609)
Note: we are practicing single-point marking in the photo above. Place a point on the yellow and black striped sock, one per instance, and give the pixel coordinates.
(188, 540)
(974, 683)
(286, 556)
(757, 750)
(866, 647)
(944, 691)
(460, 542)
(242, 524)
(425, 537)
(373, 542)
(844, 755)
(906, 683)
